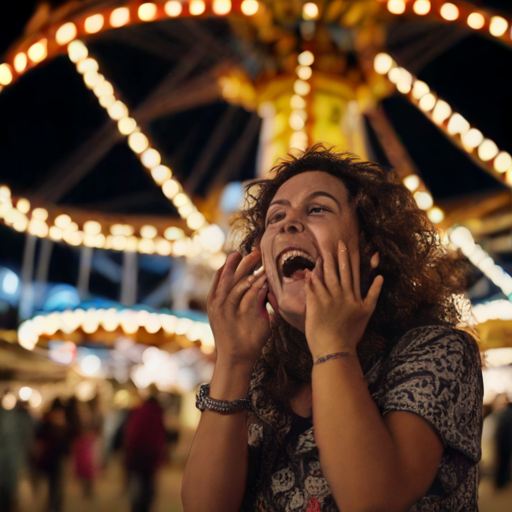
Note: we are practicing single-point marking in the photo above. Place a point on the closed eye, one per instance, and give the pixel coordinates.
(317, 209)
(276, 217)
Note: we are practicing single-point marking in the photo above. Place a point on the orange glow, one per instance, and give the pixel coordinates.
(476, 20)
(173, 8)
(396, 6)
(94, 24)
(449, 12)
(221, 7)
(119, 17)
(422, 7)
(249, 7)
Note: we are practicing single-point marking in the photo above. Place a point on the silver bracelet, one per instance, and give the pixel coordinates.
(204, 401)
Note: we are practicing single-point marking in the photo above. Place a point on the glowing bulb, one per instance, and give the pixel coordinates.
(173, 8)
(196, 7)
(296, 121)
(442, 112)
(5, 74)
(94, 24)
(423, 200)
(419, 89)
(404, 83)
(120, 17)
(40, 214)
(66, 33)
(147, 11)
(25, 393)
(77, 51)
(150, 158)
(304, 72)
(174, 233)
(449, 12)
(435, 215)
(487, 150)
(427, 102)
(306, 58)
(103, 89)
(503, 162)
(86, 65)
(249, 7)
(301, 88)
(195, 220)
(412, 182)
(221, 7)
(20, 62)
(93, 78)
(163, 247)
(180, 200)
(382, 63)
(62, 221)
(55, 233)
(476, 20)
(90, 364)
(117, 110)
(394, 75)
(170, 188)
(148, 231)
(92, 227)
(23, 205)
(310, 11)
(138, 142)
(297, 102)
(472, 138)
(161, 174)
(107, 100)
(127, 125)
(396, 6)
(421, 7)
(498, 26)
(9, 401)
(457, 124)
(37, 52)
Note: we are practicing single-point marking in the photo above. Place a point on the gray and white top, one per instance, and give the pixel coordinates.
(433, 371)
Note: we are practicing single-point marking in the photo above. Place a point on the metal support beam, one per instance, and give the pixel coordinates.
(26, 304)
(129, 279)
(84, 271)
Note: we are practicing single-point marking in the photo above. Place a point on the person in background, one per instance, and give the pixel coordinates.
(503, 440)
(52, 442)
(145, 444)
(16, 435)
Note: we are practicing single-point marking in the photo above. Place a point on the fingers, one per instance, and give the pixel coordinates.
(254, 295)
(355, 265)
(375, 260)
(246, 265)
(345, 269)
(245, 293)
(370, 302)
(214, 284)
(332, 278)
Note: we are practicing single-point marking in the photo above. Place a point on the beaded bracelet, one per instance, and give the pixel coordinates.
(336, 355)
(204, 401)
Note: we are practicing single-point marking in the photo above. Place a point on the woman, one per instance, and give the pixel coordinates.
(362, 393)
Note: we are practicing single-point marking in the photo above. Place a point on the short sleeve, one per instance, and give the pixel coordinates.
(435, 372)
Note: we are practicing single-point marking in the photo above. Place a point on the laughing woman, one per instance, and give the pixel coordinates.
(359, 392)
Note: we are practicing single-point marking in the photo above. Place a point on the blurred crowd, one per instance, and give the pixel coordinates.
(77, 439)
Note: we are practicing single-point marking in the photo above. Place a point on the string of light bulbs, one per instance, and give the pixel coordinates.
(130, 321)
(481, 20)
(497, 162)
(53, 40)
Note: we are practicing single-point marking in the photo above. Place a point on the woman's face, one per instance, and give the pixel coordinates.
(307, 217)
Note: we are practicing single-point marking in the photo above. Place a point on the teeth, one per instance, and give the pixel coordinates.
(292, 254)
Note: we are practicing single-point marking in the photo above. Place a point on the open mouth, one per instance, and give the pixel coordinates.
(293, 265)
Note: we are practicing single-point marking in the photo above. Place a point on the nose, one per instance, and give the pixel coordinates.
(292, 224)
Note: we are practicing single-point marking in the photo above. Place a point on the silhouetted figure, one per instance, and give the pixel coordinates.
(503, 446)
(16, 434)
(52, 447)
(144, 444)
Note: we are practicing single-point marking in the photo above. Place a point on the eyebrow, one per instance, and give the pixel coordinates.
(311, 196)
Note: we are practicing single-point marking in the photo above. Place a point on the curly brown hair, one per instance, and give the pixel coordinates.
(421, 278)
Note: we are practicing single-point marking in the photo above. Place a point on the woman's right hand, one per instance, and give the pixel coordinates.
(236, 307)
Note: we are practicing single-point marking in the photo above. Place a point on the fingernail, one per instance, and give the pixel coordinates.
(251, 279)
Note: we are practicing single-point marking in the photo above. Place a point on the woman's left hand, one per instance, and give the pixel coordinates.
(336, 315)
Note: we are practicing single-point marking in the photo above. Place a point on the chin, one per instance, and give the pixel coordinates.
(293, 311)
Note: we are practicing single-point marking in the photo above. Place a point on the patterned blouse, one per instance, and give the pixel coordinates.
(432, 371)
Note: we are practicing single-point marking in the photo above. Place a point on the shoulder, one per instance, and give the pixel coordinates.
(437, 342)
